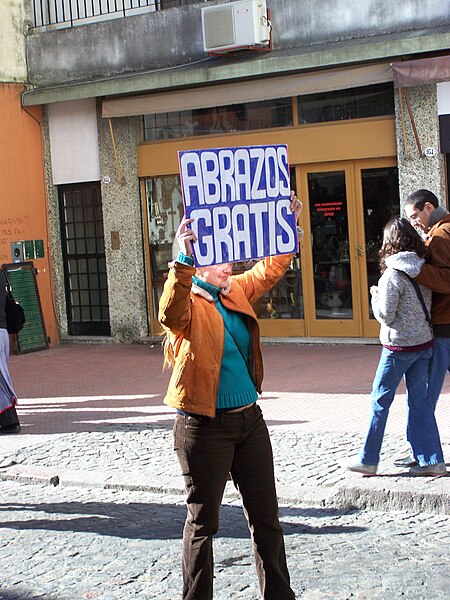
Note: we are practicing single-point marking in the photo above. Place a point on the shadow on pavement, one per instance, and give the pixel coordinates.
(66, 418)
(18, 595)
(101, 414)
(150, 521)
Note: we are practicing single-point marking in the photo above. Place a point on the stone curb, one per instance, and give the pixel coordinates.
(429, 495)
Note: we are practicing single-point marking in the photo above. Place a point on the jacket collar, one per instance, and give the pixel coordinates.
(437, 215)
(199, 291)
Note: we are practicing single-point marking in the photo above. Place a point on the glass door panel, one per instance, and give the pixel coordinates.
(346, 207)
(330, 245)
(380, 201)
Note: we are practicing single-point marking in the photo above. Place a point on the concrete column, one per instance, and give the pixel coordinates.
(123, 228)
(415, 171)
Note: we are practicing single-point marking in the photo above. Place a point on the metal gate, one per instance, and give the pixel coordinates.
(84, 259)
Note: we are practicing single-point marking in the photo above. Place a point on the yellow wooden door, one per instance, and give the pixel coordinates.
(346, 205)
(329, 262)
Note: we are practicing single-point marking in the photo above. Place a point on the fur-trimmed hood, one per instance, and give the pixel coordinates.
(408, 262)
(396, 305)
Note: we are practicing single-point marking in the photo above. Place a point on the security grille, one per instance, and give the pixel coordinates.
(84, 259)
(67, 13)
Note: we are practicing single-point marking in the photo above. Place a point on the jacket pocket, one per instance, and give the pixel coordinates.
(184, 370)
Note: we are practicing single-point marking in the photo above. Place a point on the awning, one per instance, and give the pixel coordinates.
(425, 70)
(247, 91)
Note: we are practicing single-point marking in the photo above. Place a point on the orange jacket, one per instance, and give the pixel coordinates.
(195, 331)
(436, 274)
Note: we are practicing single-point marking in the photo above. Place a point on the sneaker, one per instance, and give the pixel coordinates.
(357, 467)
(437, 469)
(406, 461)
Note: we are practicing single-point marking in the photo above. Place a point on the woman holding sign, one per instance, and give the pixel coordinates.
(213, 346)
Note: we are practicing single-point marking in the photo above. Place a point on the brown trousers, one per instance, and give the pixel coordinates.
(208, 449)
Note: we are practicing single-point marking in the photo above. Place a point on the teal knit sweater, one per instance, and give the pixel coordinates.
(236, 387)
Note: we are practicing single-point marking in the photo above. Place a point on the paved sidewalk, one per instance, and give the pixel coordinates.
(93, 416)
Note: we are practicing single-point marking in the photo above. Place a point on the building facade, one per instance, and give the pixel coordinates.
(24, 220)
(121, 94)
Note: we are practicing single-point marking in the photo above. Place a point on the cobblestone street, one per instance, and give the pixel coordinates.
(77, 543)
(92, 504)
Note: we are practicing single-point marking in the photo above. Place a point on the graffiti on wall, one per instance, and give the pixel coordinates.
(11, 229)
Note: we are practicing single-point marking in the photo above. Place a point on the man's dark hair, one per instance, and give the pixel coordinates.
(420, 197)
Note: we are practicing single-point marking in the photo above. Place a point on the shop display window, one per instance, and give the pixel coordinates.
(218, 119)
(284, 300)
(164, 211)
(354, 103)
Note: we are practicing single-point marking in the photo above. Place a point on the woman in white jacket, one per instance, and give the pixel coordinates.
(407, 348)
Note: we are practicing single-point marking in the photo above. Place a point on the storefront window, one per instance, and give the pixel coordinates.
(355, 103)
(285, 300)
(164, 210)
(219, 119)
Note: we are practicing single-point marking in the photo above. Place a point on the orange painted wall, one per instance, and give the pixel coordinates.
(23, 202)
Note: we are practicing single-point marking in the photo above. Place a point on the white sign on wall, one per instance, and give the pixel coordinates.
(443, 98)
(74, 142)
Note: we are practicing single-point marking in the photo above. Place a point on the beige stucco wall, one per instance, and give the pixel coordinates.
(12, 41)
(417, 171)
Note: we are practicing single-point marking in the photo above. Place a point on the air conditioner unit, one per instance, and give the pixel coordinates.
(235, 25)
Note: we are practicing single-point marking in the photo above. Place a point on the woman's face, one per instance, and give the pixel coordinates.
(217, 275)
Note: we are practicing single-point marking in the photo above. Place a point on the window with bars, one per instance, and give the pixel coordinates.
(67, 13)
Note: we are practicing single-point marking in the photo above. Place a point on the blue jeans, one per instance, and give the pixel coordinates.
(440, 364)
(422, 431)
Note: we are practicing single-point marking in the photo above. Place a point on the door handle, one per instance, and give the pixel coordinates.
(359, 252)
